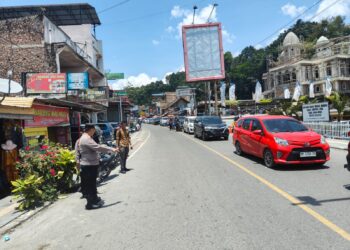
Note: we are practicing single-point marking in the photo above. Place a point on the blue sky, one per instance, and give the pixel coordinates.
(141, 37)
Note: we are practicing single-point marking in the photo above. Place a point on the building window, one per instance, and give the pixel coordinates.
(317, 75)
(286, 77)
(343, 68)
(279, 78)
(294, 76)
(329, 69)
(307, 76)
(336, 50)
(317, 89)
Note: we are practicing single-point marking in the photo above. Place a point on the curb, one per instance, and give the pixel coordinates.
(338, 147)
(21, 218)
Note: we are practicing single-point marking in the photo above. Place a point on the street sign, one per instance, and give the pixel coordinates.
(121, 94)
(316, 112)
(114, 76)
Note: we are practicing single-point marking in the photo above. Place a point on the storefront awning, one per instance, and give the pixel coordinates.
(19, 108)
(21, 102)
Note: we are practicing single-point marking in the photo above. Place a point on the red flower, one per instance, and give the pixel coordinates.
(27, 148)
(52, 172)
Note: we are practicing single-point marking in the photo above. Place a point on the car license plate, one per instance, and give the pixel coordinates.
(308, 154)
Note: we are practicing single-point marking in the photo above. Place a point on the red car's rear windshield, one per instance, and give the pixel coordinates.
(284, 125)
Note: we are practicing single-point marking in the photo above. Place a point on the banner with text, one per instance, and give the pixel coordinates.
(316, 112)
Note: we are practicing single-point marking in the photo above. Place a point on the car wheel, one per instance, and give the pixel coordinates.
(268, 158)
(238, 148)
(226, 138)
(203, 136)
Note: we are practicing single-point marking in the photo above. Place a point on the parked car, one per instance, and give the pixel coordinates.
(280, 140)
(348, 155)
(207, 127)
(189, 124)
(181, 121)
(164, 121)
(107, 131)
(115, 125)
(155, 121)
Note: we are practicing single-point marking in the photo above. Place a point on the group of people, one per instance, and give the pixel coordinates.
(88, 160)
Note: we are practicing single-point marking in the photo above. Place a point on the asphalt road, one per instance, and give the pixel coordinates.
(184, 193)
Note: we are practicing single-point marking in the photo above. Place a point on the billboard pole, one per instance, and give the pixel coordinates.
(216, 97)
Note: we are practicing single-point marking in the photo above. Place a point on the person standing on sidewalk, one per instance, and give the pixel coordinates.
(88, 160)
(123, 142)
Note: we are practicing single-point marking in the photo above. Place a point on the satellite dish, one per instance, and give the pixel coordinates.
(15, 86)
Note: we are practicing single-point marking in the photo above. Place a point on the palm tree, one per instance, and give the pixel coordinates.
(339, 102)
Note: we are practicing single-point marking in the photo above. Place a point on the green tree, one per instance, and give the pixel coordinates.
(339, 102)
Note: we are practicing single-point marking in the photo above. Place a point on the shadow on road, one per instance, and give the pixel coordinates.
(259, 161)
(111, 177)
(308, 200)
(112, 204)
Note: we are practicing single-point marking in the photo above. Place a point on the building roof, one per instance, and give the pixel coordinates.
(60, 14)
(322, 40)
(291, 39)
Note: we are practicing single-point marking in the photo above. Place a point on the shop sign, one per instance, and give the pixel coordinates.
(115, 76)
(47, 116)
(46, 83)
(317, 112)
(78, 81)
(94, 94)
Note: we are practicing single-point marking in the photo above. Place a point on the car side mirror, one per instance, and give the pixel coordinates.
(258, 132)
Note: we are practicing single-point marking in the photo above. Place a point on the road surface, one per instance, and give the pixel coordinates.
(184, 193)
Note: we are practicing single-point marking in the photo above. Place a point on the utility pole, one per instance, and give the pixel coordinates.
(121, 108)
(216, 97)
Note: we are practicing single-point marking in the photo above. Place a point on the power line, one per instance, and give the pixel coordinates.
(291, 21)
(114, 6)
(148, 15)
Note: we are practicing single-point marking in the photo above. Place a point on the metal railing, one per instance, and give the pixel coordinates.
(333, 130)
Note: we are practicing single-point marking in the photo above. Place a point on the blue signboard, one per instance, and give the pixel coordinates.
(78, 81)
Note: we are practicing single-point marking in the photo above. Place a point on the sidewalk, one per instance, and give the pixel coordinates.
(10, 217)
(338, 144)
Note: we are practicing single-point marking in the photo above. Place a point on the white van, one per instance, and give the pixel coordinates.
(189, 124)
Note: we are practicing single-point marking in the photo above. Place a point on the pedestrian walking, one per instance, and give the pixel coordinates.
(123, 142)
(88, 159)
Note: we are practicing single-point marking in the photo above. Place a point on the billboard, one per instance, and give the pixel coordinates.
(317, 112)
(203, 52)
(46, 83)
(47, 116)
(78, 81)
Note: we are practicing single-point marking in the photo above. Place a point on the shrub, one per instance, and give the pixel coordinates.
(28, 190)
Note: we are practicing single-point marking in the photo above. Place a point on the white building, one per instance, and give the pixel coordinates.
(329, 58)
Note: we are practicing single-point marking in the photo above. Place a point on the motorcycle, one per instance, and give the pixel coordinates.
(108, 162)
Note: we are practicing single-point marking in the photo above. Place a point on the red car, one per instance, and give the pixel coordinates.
(279, 140)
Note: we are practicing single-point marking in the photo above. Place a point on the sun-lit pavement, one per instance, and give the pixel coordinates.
(187, 194)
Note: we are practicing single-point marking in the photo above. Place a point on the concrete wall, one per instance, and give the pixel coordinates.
(28, 52)
(82, 34)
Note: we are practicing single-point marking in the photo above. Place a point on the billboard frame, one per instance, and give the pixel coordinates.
(222, 62)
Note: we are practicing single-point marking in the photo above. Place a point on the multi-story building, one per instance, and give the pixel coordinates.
(329, 58)
(55, 39)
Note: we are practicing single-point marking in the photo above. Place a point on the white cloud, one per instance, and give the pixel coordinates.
(292, 10)
(170, 29)
(341, 8)
(258, 46)
(155, 42)
(166, 74)
(177, 11)
(134, 81)
(201, 17)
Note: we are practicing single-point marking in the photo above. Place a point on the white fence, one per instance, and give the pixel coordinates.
(334, 130)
